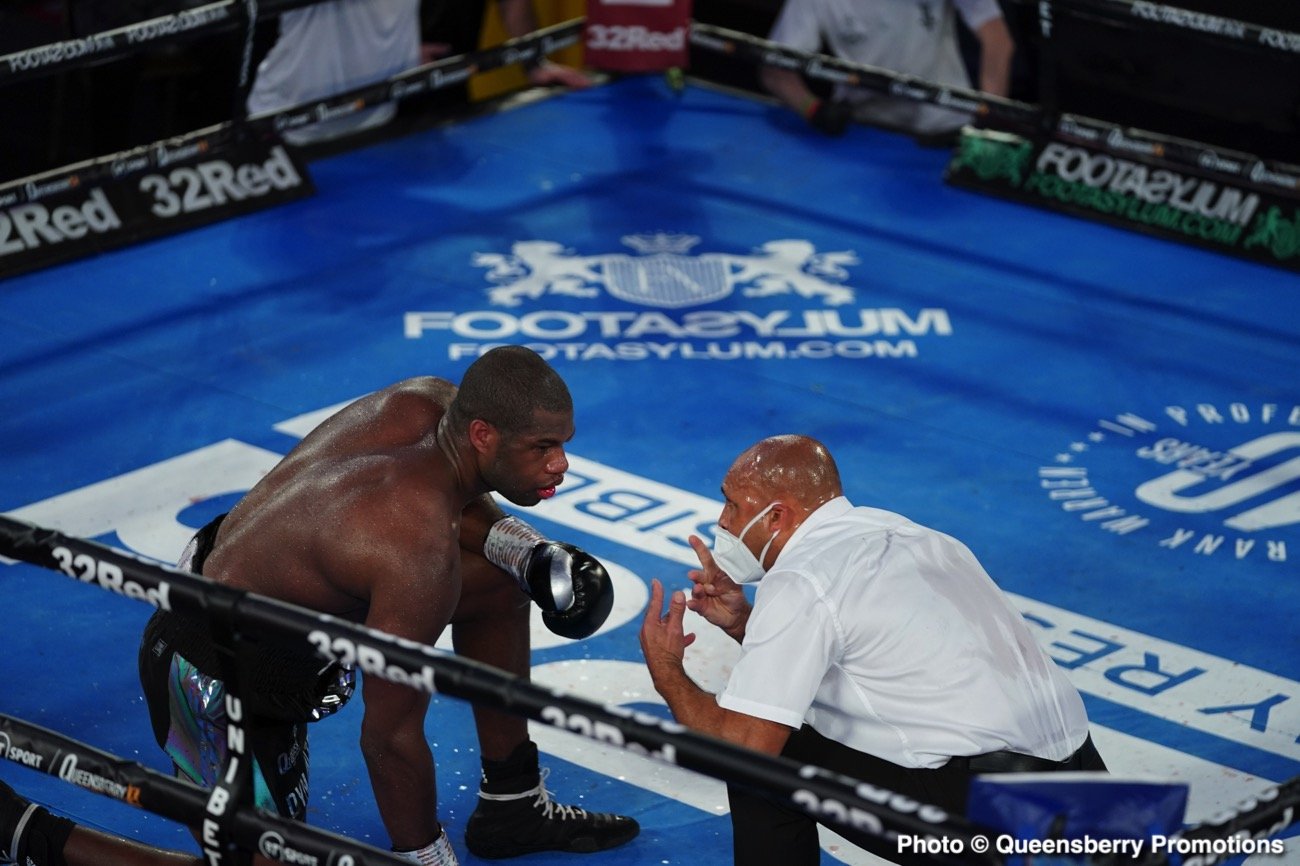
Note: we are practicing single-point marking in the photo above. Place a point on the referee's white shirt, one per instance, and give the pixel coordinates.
(917, 37)
(890, 638)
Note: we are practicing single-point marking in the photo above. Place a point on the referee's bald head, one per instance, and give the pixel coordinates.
(794, 469)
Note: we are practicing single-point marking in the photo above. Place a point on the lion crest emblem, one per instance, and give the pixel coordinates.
(663, 274)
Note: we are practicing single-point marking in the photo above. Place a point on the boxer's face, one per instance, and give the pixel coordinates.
(526, 466)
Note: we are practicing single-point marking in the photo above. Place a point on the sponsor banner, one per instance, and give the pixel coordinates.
(637, 35)
(1220, 164)
(660, 288)
(43, 223)
(1134, 189)
(19, 745)
(57, 55)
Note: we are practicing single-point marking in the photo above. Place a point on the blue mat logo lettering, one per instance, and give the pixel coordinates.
(664, 275)
(1228, 476)
(784, 301)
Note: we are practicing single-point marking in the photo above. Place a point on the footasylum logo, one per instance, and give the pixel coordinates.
(1203, 479)
(665, 302)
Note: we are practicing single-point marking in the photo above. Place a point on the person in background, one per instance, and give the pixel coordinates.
(915, 37)
(339, 45)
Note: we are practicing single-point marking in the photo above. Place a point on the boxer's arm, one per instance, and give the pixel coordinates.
(399, 762)
(476, 522)
(414, 587)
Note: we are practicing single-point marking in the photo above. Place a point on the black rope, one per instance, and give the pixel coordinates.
(443, 73)
(1216, 28)
(79, 764)
(247, 74)
(1244, 169)
(74, 52)
(824, 794)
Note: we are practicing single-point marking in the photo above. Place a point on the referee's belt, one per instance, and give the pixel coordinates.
(1015, 762)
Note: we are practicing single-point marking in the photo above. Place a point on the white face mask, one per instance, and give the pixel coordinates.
(734, 558)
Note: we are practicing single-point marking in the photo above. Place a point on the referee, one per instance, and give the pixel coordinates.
(875, 646)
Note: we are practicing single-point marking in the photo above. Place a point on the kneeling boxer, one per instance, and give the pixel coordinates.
(383, 515)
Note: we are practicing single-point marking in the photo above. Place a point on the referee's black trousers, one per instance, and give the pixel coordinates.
(768, 833)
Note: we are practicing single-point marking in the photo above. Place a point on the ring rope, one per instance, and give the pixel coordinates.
(1243, 168)
(182, 801)
(835, 70)
(245, 81)
(822, 793)
(69, 53)
(427, 78)
(129, 38)
(1215, 27)
(817, 791)
(100, 772)
(424, 79)
(1268, 812)
(1246, 169)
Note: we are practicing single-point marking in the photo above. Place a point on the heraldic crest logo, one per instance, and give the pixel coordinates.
(665, 274)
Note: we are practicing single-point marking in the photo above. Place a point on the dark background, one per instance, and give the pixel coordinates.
(1183, 83)
(1143, 75)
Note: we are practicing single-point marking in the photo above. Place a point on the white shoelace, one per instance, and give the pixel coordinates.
(550, 809)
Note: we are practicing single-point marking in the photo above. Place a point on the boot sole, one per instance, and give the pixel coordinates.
(577, 845)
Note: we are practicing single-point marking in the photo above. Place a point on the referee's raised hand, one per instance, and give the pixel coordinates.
(715, 596)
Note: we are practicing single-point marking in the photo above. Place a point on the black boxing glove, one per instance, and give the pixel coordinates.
(829, 117)
(571, 587)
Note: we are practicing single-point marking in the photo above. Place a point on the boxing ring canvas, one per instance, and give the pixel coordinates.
(1111, 422)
